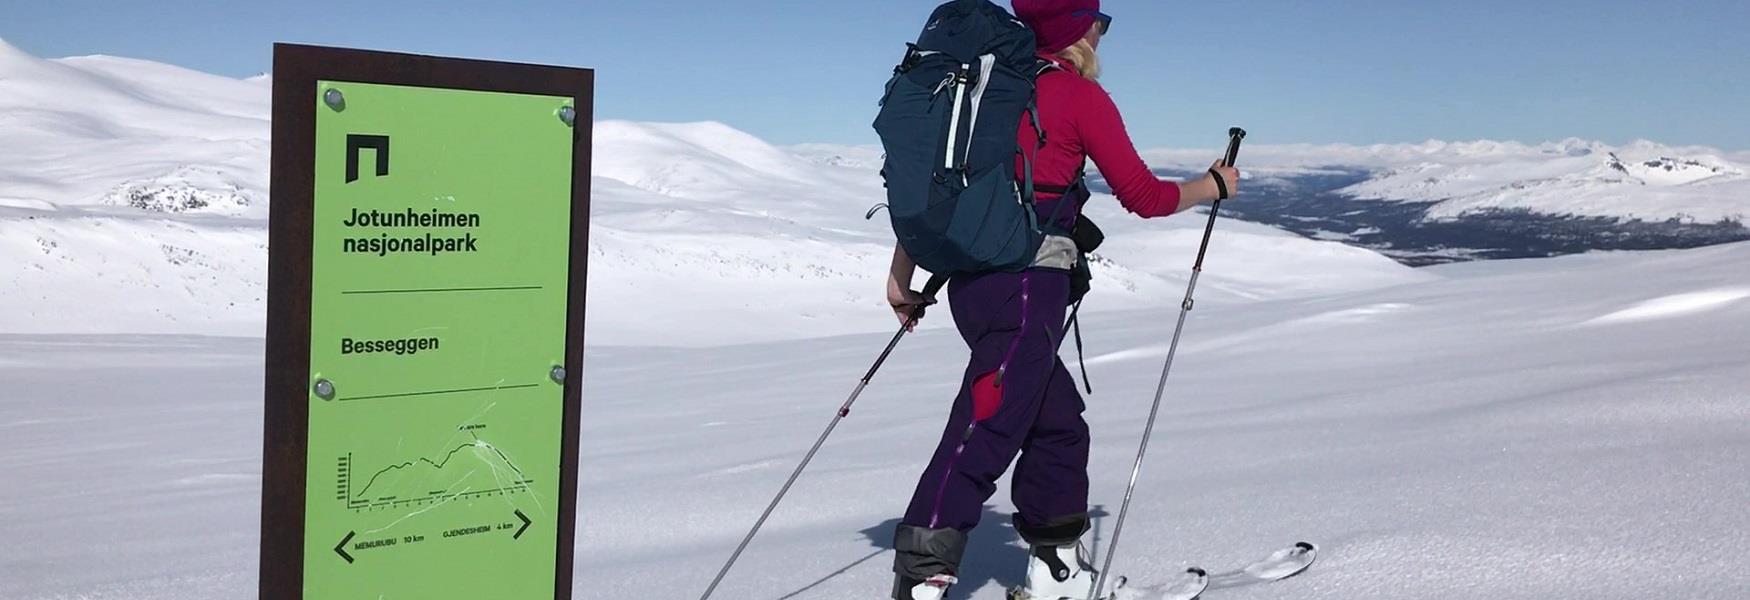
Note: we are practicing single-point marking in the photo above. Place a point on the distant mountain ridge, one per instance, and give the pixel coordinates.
(1440, 202)
(1436, 202)
(142, 208)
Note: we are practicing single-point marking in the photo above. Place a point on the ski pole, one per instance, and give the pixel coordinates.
(935, 284)
(1233, 152)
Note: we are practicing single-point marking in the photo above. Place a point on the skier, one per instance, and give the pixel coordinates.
(1016, 397)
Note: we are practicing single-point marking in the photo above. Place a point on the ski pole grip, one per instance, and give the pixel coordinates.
(930, 288)
(1234, 136)
(934, 285)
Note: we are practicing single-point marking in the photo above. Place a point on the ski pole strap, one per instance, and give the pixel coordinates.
(930, 288)
(934, 285)
(1220, 184)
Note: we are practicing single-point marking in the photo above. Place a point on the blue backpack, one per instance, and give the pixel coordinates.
(948, 124)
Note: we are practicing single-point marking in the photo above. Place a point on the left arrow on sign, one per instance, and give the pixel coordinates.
(340, 548)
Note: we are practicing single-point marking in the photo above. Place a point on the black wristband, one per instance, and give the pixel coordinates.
(1220, 184)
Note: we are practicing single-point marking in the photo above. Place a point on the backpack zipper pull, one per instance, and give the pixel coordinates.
(946, 81)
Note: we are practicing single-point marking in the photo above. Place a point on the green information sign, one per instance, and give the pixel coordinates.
(426, 294)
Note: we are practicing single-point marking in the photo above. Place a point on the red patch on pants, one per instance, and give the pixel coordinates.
(987, 396)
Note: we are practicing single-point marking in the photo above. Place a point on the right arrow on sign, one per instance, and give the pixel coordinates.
(340, 548)
(525, 527)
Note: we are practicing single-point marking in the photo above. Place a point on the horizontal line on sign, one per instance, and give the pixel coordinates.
(521, 486)
(517, 288)
(438, 392)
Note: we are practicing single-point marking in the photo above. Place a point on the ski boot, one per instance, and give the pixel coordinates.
(934, 588)
(925, 561)
(1056, 573)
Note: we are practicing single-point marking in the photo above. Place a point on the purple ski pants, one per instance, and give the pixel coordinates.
(1012, 322)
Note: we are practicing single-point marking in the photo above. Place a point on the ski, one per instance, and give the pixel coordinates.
(1186, 586)
(1191, 584)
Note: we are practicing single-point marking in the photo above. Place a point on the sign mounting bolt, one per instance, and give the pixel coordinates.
(334, 99)
(568, 115)
(324, 389)
(558, 374)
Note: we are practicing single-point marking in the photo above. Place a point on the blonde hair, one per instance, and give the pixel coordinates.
(1082, 55)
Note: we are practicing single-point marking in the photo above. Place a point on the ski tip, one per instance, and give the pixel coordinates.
(1197, 571)
(1306, 546)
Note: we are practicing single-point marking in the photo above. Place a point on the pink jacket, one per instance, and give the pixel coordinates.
(1081, 122)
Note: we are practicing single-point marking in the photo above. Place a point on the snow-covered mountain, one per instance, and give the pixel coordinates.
(141, 208)
(1517, 429)
(1440, 202)
(1641, 180)
(101, 132)
(133, 198)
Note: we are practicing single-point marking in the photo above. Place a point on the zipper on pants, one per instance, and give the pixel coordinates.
(1016, 345)
(948, 471)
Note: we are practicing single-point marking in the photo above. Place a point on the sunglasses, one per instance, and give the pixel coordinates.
(1102, 19)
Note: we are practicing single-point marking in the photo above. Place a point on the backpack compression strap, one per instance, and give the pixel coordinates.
(1028, 190)
(1080, 180)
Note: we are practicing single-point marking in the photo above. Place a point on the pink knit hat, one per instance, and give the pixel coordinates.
(1057, 24)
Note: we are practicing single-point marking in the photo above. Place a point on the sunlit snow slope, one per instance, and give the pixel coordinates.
(1517, 430)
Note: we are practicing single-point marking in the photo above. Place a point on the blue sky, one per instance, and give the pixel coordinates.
(1354, 71)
